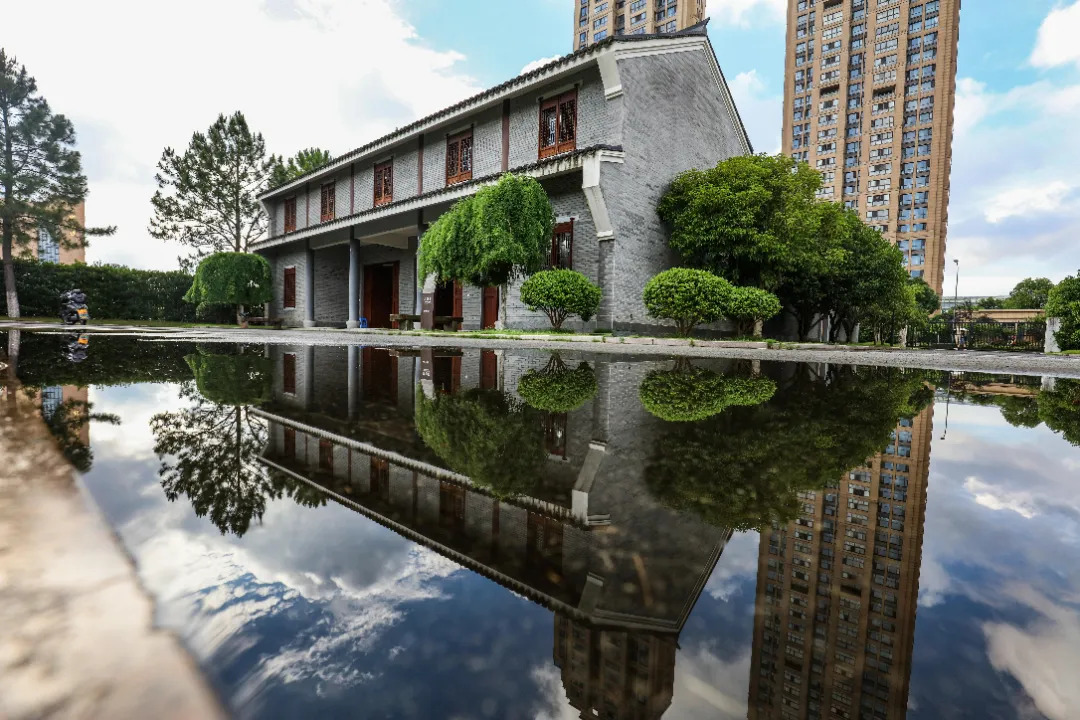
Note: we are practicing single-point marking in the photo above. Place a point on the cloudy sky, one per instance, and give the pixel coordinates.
(337, 73)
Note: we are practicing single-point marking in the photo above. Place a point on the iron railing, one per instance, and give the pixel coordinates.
(1027, 336)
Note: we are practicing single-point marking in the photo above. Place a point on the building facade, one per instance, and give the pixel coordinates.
(838, 589)
(604, 130)
(48, 249)
(869, 92)
(597, 20)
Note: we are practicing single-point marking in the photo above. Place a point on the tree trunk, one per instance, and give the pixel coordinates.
(9, 275)
(12, 382)
(504, 290)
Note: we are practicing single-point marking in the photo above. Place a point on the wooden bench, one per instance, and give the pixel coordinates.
(442, 322)
(264, 321)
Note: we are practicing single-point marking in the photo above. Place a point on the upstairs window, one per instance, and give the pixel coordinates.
(562, 247)
(558, 124)
(326, 202)
(459, 158)
(290, 214)
(384, 183)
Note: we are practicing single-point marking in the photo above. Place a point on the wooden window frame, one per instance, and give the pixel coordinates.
(288, 373)
(381, 172)
(557, 103)
(459, 173)
(553, 259)
(327, 201)
(288, 283)
(290, 215)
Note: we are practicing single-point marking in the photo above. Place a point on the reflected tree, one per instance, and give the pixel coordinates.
(66, 424)
(208, 450)
(742, 468)
(687, 393)
(487, 435)
(1060, 409)
(557, 388)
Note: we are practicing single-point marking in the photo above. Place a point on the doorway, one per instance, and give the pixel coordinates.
(489, 309)
(380, 294)
(448, 299)
(380, 373)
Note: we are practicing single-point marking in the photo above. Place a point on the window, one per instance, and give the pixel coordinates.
(326, 455)
(289, 289)
(290, 214)
(288, 375)
(290, 443)
(558, 124)
(599, 36)
(384, 183)
(326, 202)
(562, 247)
(48, 247)
(459, 158)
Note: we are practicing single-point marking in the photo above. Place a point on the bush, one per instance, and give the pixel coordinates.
(557, 388)
(231, 278)
(688, 297)
(1064, 303)
(690, 394)
(748, 306)
(112, 292)
(560, 294)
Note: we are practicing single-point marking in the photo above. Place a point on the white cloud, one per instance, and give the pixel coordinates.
(1026, 199)
(535, 64)
(761, 113)
(985, 495)
(738, 564)
(973, 103)
(1056, 43)
(304, 72)
(740, 12)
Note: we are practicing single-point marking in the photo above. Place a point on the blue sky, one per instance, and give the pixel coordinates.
(1015, 208)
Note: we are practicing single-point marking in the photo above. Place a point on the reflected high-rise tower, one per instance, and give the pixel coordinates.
(838, 588)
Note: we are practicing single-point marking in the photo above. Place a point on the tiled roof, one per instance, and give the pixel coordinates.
(279, 239)
(523, 79)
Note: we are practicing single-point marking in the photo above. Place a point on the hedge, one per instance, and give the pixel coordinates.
(112, 292)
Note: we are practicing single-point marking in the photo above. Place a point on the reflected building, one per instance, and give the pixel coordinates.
(585, 539)
(838, 588)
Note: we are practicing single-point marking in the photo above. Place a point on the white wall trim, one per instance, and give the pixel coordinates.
(594, 196)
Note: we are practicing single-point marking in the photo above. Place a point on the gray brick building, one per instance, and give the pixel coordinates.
(604, 130)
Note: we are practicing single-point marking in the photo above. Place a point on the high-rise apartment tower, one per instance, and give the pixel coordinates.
(595, 20)
(868, 101)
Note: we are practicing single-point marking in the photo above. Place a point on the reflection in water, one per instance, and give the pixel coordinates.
(688, 394)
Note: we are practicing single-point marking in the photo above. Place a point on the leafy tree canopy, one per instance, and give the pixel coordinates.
(66, 424)
(284, 170)
(501, 233)
(1030, 293)
(557, 388)
(688, 297)
(1064, 303)
(925, 298)
(560, 294)
(231, 278)
(1060, 409)
(242, 378)
(41, 176)
(690, 394)
(747, 306)
(207, 195)
(487, 435)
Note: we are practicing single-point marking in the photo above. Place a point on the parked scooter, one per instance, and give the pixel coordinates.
(78, 347)
(73, 307)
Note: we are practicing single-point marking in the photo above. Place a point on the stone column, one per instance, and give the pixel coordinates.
(309, 289)
(354, 285)
(354, 380)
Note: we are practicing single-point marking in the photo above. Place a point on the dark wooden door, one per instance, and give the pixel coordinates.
(380, 377)
(490, 307)
(380, 294)
(489, 370)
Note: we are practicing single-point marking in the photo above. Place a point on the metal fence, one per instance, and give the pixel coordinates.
(1014, 336)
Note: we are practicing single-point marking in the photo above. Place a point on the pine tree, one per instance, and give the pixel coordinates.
(41, 178)
(207, 196)
(303, 162)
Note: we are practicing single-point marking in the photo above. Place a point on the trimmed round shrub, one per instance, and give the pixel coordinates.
(688, 297)
(557, 388)
(560, 294)
(747, 306)
(231, 278)
(690, 394)
(240, 378)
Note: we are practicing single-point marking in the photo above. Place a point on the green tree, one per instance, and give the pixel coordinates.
(925, 297)
(560, 294)
(989, 303)
(501, 233)
(66, 423)
(1064, 303)
(557, 388)
(689, 394)
(208, 450)
(232, 278)
(496, 441)
(1029, 294)
(207, 197)
(741, 219)
(687, 297)
(41, 177)
(747, 307)
(285, 170)
(1060, 409)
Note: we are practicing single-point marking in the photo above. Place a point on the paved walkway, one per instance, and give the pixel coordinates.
(969, 361)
